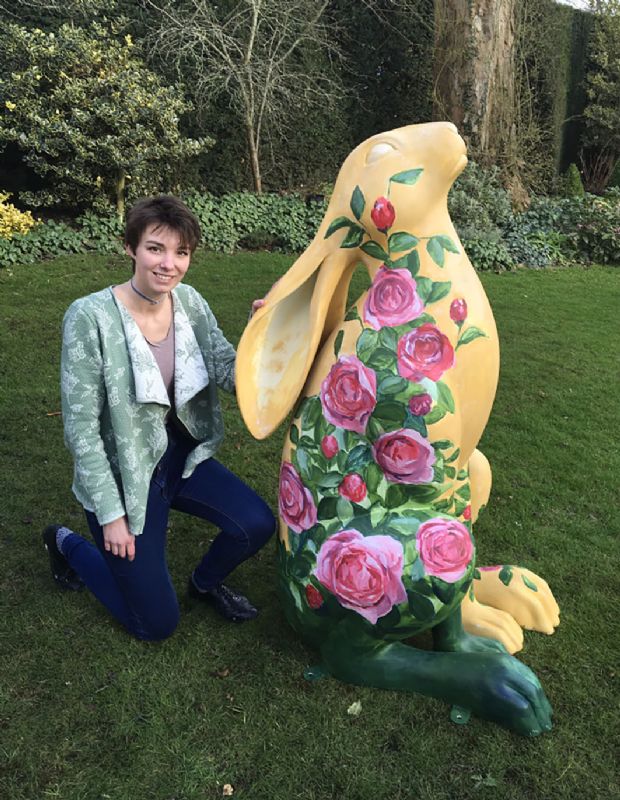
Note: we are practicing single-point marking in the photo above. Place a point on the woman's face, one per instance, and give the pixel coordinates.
(161, 260)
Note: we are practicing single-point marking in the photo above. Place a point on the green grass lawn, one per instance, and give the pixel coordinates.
(88, 713)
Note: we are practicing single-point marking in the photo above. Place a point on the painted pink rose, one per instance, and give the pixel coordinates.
(353, 487)
(349, 394)
(296, 503)
(363, 572)
(404, 456)
(458, 310)
(424, 353)
(420, 404)
(445, 547)
(313, 596)
(329, 446)
(383, 214)
(392, 299)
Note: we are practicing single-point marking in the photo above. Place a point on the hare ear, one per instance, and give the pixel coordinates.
(279, 344)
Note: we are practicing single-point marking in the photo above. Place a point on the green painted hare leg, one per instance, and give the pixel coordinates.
(492, 685)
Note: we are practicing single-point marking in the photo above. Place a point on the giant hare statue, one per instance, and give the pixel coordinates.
(380, 480)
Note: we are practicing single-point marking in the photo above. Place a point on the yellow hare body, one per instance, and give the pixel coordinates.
(380, 480)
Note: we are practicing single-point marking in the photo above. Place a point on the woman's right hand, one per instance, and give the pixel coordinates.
(118, 540)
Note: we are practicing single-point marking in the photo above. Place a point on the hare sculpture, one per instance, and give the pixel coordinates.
(381, 480)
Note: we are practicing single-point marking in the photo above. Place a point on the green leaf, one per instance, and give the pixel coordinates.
(312, 410)
(367, 343)
(330, 480)
(374, 429)
(420, 606)
(465, 492)
(339, 222)
(423, 493)
(389, 410)
(462, 474)
(434, 415)
(392, 385)
(450, 472)
(444, 591)
(373, 250)
(443, 505)
(438, 290)
(447, 243)
(358, 458)
(424, 287)
(409, 176)
(294, 434)
(353, 238)
(435, 250)
(411, 262)
(381, 358)
(357, 203)
(395, 496)
(338, 342)
(445, 396)
(468, 335)
(377, 514)
(505, 575)
(327, 508)
(303, 459)
(416, 424)
(454, 455)
(477, 575)
(352, 313)
(373, 477)
(442, 444)
(388, 338)
(400, 241)
(530, 584)
(344, 509)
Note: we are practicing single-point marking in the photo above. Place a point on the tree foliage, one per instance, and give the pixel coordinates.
(602, 112)
(89, 115)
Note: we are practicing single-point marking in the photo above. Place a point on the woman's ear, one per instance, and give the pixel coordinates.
(279, 344)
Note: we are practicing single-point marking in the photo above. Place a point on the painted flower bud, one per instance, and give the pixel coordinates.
(383, 214)
(467, 512)
(458, 310)
(313, 596)
(420, 404)
(329, 446)
(353, 487)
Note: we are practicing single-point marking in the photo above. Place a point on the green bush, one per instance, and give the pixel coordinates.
(571, 184)
(486, 250)
(478, 199)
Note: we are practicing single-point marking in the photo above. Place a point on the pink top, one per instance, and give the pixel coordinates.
(163, 353)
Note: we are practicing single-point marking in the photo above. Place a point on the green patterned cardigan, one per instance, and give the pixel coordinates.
(114, 401)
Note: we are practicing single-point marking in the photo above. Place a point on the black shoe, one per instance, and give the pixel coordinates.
(64, 575)
(229, 604)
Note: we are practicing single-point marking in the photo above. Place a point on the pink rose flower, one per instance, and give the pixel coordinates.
(353, 487)
(296, 503)
(363, 572)
(445, 547)
(458, 310)
(392, 299)
(329, 446)
(424, 353)
(349, 394)
(383, 214)
(404, 456)
(420, 404)
(313, 596)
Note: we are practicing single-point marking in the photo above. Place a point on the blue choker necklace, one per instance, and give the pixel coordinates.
(144, 296)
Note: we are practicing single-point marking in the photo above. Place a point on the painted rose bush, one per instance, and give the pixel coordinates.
(377, 515)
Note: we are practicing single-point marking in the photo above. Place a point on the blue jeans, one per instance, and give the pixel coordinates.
(139, 593)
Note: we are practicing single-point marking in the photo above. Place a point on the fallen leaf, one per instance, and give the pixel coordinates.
(221, 673)
(227, 790)
(355, 709)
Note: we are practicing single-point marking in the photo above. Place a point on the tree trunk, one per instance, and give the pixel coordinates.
(253, 152)
(474, 76)
(120, 194)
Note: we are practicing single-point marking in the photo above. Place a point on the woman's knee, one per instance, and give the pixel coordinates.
(158, 627)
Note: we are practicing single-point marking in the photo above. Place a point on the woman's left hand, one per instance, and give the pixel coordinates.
(261, 301)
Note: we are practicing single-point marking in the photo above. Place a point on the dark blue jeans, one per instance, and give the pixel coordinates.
(139, 593)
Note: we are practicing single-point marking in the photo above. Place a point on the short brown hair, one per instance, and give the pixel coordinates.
(165, 211)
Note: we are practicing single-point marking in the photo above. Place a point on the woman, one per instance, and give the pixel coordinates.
(140, 367)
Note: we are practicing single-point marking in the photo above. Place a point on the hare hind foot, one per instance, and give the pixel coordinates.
(481, 620)
(520, 593)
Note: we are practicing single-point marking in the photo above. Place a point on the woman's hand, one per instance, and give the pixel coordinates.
(261, 302)
(118, 540)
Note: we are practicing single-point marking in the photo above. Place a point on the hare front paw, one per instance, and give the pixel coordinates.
(491, 623)
(520, 593)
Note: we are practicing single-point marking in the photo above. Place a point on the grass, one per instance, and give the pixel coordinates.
(86, 713)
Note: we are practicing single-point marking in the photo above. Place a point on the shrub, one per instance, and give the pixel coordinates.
(12, 220)
(486, 250)
(571, 184)
(479, 199)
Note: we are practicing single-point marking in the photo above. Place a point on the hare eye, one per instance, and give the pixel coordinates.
(378, 151)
